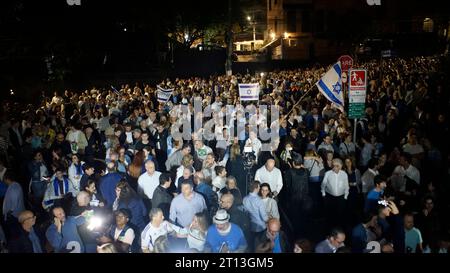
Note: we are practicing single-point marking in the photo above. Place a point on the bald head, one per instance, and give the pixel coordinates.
(150, 167)
(83, 199)
(25, 215)
(226, 201)
(273, 226)
(27, 220)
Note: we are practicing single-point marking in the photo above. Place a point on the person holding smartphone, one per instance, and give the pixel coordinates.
(62, 234)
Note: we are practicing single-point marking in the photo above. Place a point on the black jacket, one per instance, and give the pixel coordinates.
(236, 168)
(240, 218)
(162, 199)
(20, 243)
(296, 183)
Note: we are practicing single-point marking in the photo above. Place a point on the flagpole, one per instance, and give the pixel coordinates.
(301, 98)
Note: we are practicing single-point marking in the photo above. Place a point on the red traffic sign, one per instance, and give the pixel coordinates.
(358, 79)
(346, 62)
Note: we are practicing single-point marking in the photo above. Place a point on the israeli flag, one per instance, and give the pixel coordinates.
(249, 91)
(164, 94)
(331, 86)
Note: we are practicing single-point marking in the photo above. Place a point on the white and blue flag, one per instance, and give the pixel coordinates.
(249, 91)
(164, 94)
(330, 85)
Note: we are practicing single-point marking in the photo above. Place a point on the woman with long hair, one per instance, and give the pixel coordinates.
(196, 232)
(127, 198)
(265, 192)
(135, 169)
(235, 168)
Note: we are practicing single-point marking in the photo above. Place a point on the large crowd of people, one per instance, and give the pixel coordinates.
(101, 171)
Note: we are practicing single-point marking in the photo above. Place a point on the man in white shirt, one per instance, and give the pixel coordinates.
(403, 171)
(335, 189)
(156, 228)
(148, 182)
(271, 175)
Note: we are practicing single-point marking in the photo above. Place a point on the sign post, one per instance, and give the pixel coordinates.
(357, 95)
(346, 64)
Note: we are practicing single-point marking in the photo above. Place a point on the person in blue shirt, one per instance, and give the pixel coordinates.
(205, 190)
(375, 194)
(63, 233)
(223, 236)
(364, 233)
(278, 240)
(108, 184)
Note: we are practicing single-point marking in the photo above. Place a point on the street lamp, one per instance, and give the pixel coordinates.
(272, 35)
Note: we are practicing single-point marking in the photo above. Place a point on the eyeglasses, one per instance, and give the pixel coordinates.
(28, 218)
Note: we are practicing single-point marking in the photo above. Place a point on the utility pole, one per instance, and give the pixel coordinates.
(229, 61)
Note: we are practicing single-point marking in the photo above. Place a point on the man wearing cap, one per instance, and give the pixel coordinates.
(223, 236)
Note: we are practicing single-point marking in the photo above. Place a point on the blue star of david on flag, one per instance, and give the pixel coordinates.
(337, 88)
(330, 86)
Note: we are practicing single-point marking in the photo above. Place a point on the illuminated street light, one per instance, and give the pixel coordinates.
(249, 18)
(286, 35)
(272, 35)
